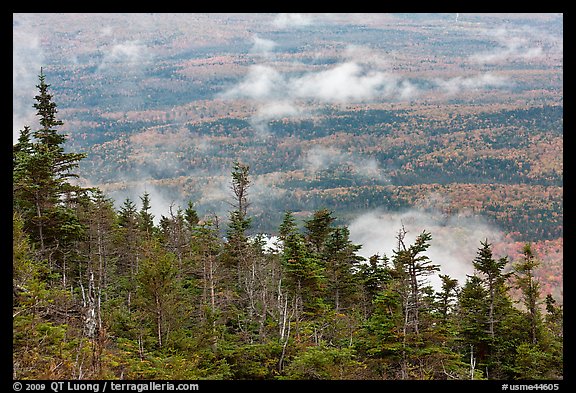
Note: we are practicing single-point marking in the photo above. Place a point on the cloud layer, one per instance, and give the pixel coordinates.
(127, 54)
(285, 21)
(347, 82)
(362, 75)
(455, 239)
(319, 158)
(513, 45)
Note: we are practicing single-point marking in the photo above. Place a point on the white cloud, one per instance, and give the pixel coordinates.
(263, 188)
(322, 157)
(367, 56)
(454, 245)
(130, 54)
(276, 109)
(284, 21)
(476, 82)
(363, 76)
(273, 110)
(159, 204)
(319, 158)
(262, 46)
(343, 83)
(512, 45)
(261, 82)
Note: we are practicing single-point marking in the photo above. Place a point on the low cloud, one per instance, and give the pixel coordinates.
(459, 84)
(260, 83)
(344, 83)
(350, 82)
(273, 110)
(262, 46)
(319, 158)
(285, 21)
(130, 54)
(367, 56)
(523, 44)
(264, 191)
(455, 238)
(363, 76)
(134, 191)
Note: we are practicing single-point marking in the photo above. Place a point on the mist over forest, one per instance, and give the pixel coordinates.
(323, 107)
(448, 123)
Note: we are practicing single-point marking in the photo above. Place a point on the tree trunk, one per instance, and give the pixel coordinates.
(159, 321)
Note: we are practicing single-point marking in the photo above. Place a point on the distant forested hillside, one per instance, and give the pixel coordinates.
(259, 196)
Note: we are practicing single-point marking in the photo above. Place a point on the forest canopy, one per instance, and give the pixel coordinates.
(101, 292)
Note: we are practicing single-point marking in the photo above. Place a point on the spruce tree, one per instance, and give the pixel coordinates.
(413, 266)
(340, 263)
(239, 223)
(472, 320)
(503, 327)
(447, 298)
(42, 191)
(304, 272)
(191, 216)
(318, 229)
(493, 274)
(146, 218)
(372, 277)
(128, 237)
(530, 287)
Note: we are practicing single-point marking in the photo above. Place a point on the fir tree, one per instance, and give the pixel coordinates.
(146, 218)
(530, 287)
(492, 270)
(318, 229)
(42, 191)
(340, 261)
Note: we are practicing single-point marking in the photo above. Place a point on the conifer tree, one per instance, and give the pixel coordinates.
(146, 218)
(530, 287)
(494, 277)
(239, 220)
(304, 271)
(318, 229)
(239, 223)
(503, 328)
(472, 318)
(191, 216)
(175, 235)
(288, 226)
(540, 355)
(98, 261)
(372, 276)
(128, 239)
(447, 298)
(554, 316)
(22, 152)
(23, 188)
(159, 292)
(43, 194)
(340, 261)
(42, 169)
(206, 249)
(413, 267)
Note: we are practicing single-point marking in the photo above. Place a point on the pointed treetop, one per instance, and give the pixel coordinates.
(46, 110)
